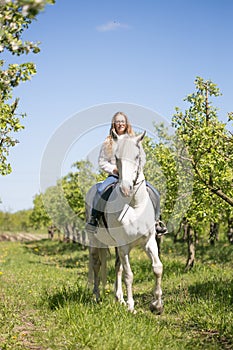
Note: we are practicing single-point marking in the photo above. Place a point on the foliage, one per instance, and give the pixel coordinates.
(19, 221)
(39, 218)
(53, 309)
(76, 184)
(15, 18)
(170, 174)
(64, 204)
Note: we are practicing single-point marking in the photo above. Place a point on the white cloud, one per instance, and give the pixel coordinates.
(112, 25)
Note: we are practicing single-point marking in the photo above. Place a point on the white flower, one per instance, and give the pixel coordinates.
(25, 10)
(13, 25)
(14, 47)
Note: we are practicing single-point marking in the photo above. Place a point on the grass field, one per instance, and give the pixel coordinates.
(45, 302)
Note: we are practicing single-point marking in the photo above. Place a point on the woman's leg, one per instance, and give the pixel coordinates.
(99, 201)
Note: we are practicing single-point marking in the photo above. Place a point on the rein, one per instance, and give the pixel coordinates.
(139, 168)
(127, 206)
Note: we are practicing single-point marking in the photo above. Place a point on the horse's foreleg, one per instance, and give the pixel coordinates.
(118, 281)
(151, 249)
(128, 274)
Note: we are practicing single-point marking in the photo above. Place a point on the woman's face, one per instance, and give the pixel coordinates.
(120, 124)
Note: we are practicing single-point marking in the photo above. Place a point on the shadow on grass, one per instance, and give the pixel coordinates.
(65, 295)
(213, 290)
(220, 253)
(48, 247)
(68, 255)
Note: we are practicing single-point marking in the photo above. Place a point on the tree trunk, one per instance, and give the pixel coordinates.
(230, 230)
(182, 230)
(213, 235)
(191, 247)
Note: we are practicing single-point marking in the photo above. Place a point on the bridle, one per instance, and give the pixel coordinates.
(139, 168)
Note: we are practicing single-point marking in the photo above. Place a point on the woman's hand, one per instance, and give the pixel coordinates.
(115, 171)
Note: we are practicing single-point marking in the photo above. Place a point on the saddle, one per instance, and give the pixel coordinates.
(103, 198)
(161, 228)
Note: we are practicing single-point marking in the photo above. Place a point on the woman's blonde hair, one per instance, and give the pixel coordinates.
(129, 130)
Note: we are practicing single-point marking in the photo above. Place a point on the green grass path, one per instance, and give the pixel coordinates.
(45, 303)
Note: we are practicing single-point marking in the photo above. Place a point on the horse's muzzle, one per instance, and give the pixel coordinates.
(126, 189)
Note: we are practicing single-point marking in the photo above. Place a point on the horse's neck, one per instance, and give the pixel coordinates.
(140, 178)
(140, 194)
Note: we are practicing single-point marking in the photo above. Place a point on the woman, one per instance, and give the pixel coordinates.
(107, 162)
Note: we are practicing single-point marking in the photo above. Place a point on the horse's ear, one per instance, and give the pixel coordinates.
(114, 135)
(141, 136)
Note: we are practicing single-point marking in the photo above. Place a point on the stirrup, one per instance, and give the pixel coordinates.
(160, 228)
(92, 225)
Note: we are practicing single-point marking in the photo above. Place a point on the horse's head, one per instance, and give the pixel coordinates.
(130, 159)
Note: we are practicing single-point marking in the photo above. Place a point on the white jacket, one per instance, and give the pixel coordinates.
(107, 161)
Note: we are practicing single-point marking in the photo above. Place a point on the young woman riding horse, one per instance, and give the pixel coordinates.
(107, 162)
(127, 221)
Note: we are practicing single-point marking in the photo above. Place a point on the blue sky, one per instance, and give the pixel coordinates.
(96, 52)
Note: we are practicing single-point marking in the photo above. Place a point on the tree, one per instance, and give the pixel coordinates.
(76, 185)
(19, 221)
(209, 146)
(15, 18)
(192, 168)
(207, 140)
(39, 217)
(63, 205)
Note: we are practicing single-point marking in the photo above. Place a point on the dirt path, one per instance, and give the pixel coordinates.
(21, 236)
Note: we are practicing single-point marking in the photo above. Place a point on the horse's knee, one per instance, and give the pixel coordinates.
(128, 277)
(158, 270)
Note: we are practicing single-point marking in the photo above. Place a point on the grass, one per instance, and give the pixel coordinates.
(45, 302)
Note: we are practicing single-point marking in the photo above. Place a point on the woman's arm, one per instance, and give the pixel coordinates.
(106, 162)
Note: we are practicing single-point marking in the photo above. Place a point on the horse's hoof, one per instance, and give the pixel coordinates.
(120, 301)
(132, 311)
(156, 308)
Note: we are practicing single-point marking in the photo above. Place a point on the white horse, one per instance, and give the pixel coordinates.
(129, 220)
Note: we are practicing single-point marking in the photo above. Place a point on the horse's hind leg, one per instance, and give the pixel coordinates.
(152, 251)
(103, 268)
(96, 263)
